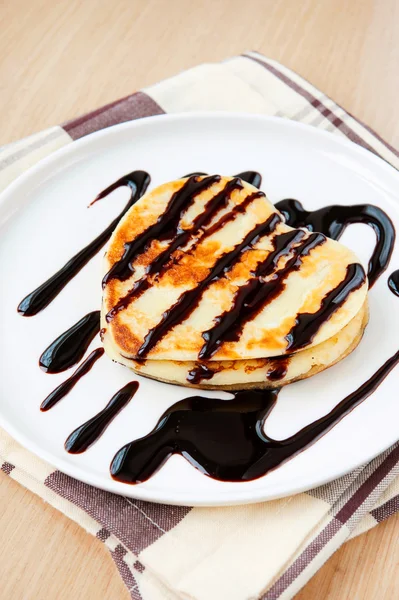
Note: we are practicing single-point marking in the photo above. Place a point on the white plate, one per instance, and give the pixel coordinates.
(44, 221)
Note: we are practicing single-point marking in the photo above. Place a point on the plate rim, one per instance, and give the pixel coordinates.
(135, 491)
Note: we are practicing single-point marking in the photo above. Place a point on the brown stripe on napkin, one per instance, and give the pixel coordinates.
(132, 107)
(373, 133)
(125, 572)
(139, 566)
(137, 524)
(356, 499)
(7, 467)
(299, 565)
(331, 492)
(364, 490)
(336, 121)
(386, 510)
(103, 534)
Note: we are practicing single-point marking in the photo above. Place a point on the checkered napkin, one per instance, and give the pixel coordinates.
(267, 550)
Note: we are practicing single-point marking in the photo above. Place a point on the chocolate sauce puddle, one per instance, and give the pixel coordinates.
(66, 386)
(333, 220)
(34, 302)
(224, 439)
(88, 433)
(393, 282)
(69, 348)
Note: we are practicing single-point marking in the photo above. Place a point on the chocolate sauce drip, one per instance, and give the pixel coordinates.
(189, 299)
(70, 346)
(333, 220)
(239, 209)
(165, 226)
(200, 372)
(307, 324)
(225, 439)
(34, 302)
(252, 177)
(253, 296)
(195, 174)
(88, 433)
(140, 361)
(216, 204)
(393, 282)
(278, 368)
(64, 388)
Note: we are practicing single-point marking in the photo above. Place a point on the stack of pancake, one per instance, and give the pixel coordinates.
(206, 286)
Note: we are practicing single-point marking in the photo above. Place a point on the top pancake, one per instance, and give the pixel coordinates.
(211, 270)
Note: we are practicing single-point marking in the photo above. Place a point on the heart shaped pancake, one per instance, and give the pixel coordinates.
(206, 268)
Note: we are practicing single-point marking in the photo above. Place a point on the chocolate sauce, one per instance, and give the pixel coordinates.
(393, 282)
(225, 438)
(253, 296)
(200, 372)
(252, 177)
(165, 226)
(278, 368)
(64, 388)
(195, 174)
(333, 220)
(70, 346)
(88, 433)
(34, 302)
(216, 204)
(189, 299)
(307, 324)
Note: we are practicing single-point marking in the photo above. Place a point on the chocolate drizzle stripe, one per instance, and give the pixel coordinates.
(308, 324)
(66, 386)
(88, 433)
(145, 282)
(69, 347)
(278, 368)
(393, 282)
(34, 302)
(200, 372)
(189, 299)
(215, 204)
(239, 209)
(225, 439)
(333, 220)
(253, 296)
(165, 226)
(252, 177)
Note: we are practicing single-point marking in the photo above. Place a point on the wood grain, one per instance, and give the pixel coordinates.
(60, 59)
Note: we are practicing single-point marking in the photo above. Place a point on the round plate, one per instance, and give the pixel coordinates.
(45, 220)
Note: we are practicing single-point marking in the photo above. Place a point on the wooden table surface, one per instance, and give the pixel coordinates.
(60, 59)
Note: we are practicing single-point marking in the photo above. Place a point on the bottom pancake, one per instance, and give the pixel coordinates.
(263, 373)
